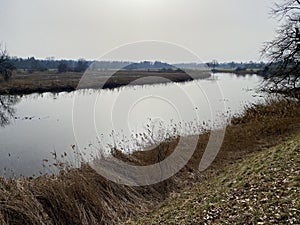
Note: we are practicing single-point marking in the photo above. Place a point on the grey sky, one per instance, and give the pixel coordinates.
(225, 30)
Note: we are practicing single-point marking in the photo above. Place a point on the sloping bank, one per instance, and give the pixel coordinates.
(81, 196)
(264, 188)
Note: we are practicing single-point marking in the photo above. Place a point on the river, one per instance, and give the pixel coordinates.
(37, 128)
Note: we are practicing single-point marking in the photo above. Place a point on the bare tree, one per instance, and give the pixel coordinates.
(213, 64)
(6, 66)
(283, 71)
(7, 110)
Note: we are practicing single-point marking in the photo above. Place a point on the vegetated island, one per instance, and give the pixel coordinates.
(51, 81)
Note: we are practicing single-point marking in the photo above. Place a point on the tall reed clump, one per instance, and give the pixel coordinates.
(79, 196)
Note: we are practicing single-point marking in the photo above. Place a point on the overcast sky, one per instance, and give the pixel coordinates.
(226, 30)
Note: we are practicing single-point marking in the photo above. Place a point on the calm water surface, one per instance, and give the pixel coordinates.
(38, 126)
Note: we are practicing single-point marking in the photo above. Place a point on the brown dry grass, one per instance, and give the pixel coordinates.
(38, 82)
(261, 189)
(75, 197)
(81, 196)
(51, 81)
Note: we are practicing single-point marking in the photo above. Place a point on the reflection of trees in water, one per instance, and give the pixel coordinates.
(7, 110)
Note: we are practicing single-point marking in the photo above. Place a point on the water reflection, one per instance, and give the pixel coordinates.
(7, 110)
(38, 125)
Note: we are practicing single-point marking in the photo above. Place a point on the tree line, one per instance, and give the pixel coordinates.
(31, 64)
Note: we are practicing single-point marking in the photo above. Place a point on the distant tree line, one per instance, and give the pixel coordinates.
(150, 65)
(214, 64)
(32, 64)
(241, 65)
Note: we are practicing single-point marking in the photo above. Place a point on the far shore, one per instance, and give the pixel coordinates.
(51, 81)
(239, 71)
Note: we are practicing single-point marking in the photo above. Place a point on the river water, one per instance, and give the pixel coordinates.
(35, 129)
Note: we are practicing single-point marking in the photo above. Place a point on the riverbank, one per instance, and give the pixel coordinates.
(81, 196)
(51, 81)
(264, 188)
(239, 71)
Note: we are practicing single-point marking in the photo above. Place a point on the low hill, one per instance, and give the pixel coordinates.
(150, 65)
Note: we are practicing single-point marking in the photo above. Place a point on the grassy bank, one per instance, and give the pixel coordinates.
(81, 196)
(264, 188)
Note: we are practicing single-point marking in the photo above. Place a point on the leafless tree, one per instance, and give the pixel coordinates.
(7, 110)
(6, 66)
(283, 71)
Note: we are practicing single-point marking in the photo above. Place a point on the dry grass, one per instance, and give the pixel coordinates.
(39, 82)
(51, 81)
(81, 196)
(75, 197)
(261, 189)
